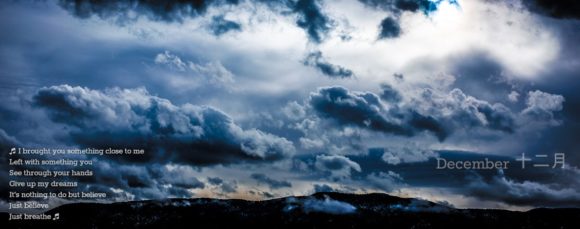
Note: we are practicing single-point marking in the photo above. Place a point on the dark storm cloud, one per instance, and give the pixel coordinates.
(308, 12)
(120, 176)
(157, 126)
(353, 108)
(480, 74)
(525, 193)
(273, 184)
(229, 187)
(467, 111)
(323, 188)
(336, 166)
(215, 180)
(124, 182)
(437, 112)
(267, 195)
(385, 181)
(219, 26)
(562, 79)
(389, 28)
(537, 187)
(365, 109)
(390, 94)
(398, 6)
(315, 59)
(134, 178)
(395, 5)
(311, 19)
(225, 186)
(556, 9)
(132, 118)
(180, 177)
(122, 11)
(418, 173)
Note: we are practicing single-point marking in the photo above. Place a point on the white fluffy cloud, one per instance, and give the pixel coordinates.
(542, 106)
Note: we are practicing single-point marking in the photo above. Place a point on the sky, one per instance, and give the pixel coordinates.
(259, 99)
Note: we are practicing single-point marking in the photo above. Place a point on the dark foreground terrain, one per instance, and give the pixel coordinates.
(321, 210)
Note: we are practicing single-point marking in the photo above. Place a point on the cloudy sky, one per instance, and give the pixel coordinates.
(260, 99)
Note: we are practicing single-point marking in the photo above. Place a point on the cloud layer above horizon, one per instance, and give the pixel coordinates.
(259, 99)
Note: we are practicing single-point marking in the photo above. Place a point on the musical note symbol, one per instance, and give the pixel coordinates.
(12, 151)
(56, 216)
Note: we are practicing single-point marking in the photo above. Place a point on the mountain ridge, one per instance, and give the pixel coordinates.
(323, 209)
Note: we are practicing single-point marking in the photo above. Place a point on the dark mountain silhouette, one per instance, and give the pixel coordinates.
(320, 210)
